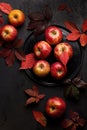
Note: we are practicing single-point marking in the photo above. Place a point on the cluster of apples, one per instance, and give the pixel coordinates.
(9, 31)
(51, 45)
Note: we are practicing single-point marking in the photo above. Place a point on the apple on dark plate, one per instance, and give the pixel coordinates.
(58, 70)
(53, 35)
(42, 49)
(73, 65)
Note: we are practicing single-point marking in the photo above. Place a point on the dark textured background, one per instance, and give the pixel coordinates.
(13, 113)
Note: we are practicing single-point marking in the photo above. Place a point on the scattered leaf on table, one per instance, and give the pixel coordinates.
(34, 95)
(20, 55)
(5, 7)
(79, 83)
(39, 117)
(73, 122)
(71, 26)
(83, 39)
(73, 36)
(10, 59)
(84, 26)
(18, 43)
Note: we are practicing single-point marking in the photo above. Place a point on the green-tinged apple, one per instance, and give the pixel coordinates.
(55, 107)
(41, 68)
(16, 17)
(53, 35)
(42, 49)
(61, 48)
(9, 33)
(58, 70)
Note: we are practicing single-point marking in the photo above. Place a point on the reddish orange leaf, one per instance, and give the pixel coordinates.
(71, 26)
(30, 100)
(5, 7)
(64, 57)
(83, 39)
(39, 117)
(73, 36)
(65, 7)
(67, 123)
(29, 61)
(62, 6)
(84, 26)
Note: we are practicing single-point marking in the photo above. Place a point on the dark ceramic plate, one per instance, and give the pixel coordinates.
(73, 65)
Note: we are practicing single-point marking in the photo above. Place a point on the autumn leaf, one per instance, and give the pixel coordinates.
(34, 95)
(84, 26)
(71, 26)
(64, 58)
(73, 36)
(39, 117)
(12, 50)
(38, 21)
(5, 7)
(83, 39)
(73, 122)
(65, 7)
(30, 60)
(10, 59)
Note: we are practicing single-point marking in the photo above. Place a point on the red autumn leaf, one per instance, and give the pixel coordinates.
(30, 100)
(5, 7)
(20, 55)
(35, 89)
(84, 26)
(39, 97)
(73, 36)
(64, 58)
(67, 123)
(62, 6)
(32, 92)
(65, 7)
(10, 59)
(34, 95)
(5, 52)
(29, 92)
(81, 122)
(39, 117)
(29, 61)
(83, 39)
(71, 26)
(73, 127)
(19, 43)
(1, 20)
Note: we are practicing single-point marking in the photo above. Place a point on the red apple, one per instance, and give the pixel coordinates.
(41, 68)
(42, 49)
(16, 17)
(53, 35)
(58, 70)
(55, 107)
(9, 33)
(63, 47)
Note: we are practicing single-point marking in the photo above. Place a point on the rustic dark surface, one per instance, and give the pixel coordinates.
(14, 115)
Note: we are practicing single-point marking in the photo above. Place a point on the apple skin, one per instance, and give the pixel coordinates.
(53, 35)
(55, 107)
(16, 17)
(42, 49)
(41, 68)
(63, 47)
(9, 33)
(58, 70)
